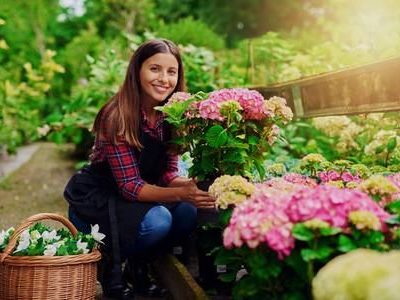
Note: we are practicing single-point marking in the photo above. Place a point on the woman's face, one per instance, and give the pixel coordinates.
(158, 77)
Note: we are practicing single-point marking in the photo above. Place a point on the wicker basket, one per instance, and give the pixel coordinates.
(47, 277)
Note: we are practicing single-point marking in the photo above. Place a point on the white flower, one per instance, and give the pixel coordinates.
(2, 237)
(82, 246)
(24, 241)
(49, 236)
(50, 250)
(43, 131)
(96, 234)
(35, 235)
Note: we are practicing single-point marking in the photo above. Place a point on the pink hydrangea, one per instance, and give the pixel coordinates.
(331, 204)
(269, 216)
(300, 179)
(280, 240)
(262, 219)
(327, 176)
(210, 109)
(251, 101)
(179, 97)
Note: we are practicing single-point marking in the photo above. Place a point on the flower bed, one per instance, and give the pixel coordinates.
(291, 226)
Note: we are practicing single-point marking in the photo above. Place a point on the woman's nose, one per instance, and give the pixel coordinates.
(162, 76)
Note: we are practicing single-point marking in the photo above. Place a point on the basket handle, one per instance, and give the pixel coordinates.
(31, 220)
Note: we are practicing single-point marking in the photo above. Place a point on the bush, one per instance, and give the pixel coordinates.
(188, 31)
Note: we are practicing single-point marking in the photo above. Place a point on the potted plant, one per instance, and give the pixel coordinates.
(226, 132)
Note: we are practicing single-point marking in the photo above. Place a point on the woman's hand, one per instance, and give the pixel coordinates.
(196, 196)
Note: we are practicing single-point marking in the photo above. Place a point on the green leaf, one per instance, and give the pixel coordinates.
(392, 143)
(321, 253)
(227, 277)
(308, 254)
(260, 168)
(234, 157)
(216, 136)
(393, 220)
(207, 162)
(394, 207)
(380, 149)
(330, 231)
(302, 233)
(235, 143)
(346, 244)
(376, 237)
(253, 140)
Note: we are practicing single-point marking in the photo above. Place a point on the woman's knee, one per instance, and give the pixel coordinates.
(185, 216)
(158, 221)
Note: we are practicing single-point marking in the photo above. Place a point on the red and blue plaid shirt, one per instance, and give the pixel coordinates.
(124, 164)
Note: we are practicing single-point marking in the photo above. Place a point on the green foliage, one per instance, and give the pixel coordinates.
(23, 103)
(73, 55)
(200, 67)
(189, 31)
(75, 123)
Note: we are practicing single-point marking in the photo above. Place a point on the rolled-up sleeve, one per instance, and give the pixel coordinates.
(171, 171)
(124, 166)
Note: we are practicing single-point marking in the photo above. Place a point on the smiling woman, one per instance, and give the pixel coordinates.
(158, 78)
(132, 188)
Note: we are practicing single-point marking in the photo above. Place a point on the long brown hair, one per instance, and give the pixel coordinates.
(121, 113)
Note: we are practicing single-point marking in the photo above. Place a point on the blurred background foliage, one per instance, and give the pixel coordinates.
(60, 60)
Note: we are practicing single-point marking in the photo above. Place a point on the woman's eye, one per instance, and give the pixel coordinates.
(154, 69)
(172, 72)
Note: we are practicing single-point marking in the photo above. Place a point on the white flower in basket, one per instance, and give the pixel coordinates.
(82, 246)
(24, 241)
(50, 250)
(96, 234)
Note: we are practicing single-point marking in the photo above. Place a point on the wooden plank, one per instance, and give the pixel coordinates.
(178, 280)
(362, 89)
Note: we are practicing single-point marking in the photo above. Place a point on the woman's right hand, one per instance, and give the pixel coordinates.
(199, 198)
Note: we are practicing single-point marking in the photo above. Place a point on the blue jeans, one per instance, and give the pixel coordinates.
(160, 226)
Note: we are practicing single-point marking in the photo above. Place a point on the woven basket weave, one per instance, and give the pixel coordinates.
(47, 277)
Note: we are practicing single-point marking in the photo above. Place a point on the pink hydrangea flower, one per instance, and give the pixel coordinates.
(300, 179)
(251, 101)
(331, 204)
(210, 109)
(179, 97)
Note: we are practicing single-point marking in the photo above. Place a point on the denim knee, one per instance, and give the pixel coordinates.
(155, 226)
(184, 218)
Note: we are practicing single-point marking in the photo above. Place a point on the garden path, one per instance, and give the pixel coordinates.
(36, 185)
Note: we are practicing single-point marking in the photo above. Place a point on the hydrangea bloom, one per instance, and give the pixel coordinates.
(276, 205)
(251, 101)
(331, 205)
(278, 107)
(373, 275)
(379, 187)
(334, 178)
(179, 97)
(230, 190)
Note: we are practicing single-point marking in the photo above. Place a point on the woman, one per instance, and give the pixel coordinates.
(132, 179)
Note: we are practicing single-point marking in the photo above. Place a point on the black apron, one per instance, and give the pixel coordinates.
(92, 192)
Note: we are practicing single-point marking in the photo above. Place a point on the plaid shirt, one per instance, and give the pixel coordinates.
(124, 163)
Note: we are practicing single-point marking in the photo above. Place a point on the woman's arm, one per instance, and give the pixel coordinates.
(188, 192)
(125, 170)
(180, 181)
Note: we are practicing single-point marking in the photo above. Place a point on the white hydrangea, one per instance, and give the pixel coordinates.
(373, 276)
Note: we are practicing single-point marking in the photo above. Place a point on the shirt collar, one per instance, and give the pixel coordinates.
(145, 120)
